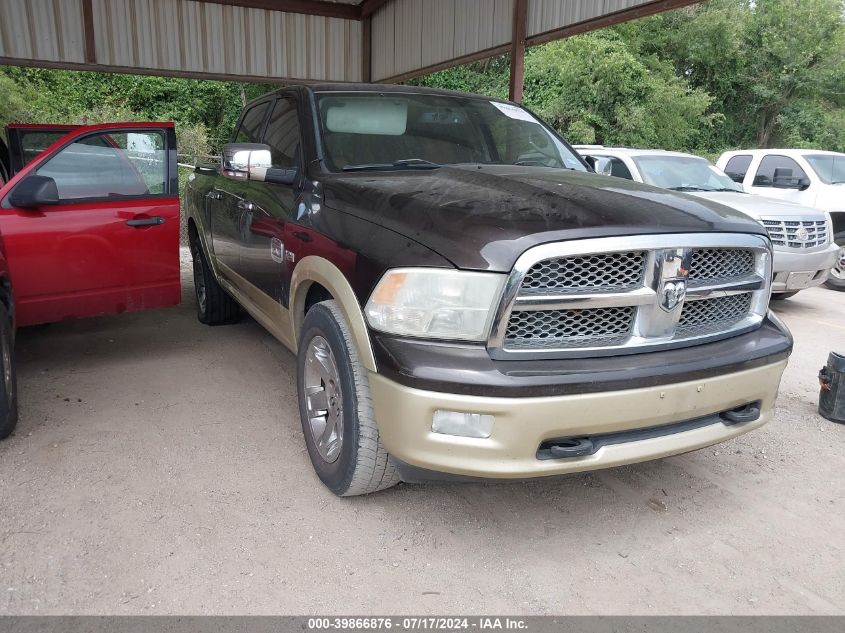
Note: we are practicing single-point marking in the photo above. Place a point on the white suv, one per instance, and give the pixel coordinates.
(801, 236)
(811, 177)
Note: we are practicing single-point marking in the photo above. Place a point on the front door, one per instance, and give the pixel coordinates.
(778, 176)
(227, 196)
(111, 244)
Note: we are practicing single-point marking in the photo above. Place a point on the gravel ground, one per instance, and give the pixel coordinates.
(159, 468)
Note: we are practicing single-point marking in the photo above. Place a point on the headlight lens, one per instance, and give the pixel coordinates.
(435, 303)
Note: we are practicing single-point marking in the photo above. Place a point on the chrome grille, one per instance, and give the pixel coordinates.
(603, 271)
(797, 233)
(717, 313)
(720, 263)
(573, 328)
(625, 295)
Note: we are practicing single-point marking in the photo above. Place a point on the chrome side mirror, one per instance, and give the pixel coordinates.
(242, 161)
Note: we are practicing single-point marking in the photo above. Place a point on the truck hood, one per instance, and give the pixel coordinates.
(759, 206)
(484, 217)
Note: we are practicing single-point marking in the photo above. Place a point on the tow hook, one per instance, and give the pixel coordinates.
(572, 447)
(740, 415)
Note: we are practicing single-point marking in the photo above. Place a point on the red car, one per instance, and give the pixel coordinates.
(89, 217)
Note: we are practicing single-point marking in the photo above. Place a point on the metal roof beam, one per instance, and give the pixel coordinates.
(307, 7)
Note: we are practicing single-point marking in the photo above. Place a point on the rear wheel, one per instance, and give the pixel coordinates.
(8, 377)
(836, 281)
(214, 305)
(336, 409)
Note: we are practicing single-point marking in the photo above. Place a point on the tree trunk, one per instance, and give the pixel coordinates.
(765, 128)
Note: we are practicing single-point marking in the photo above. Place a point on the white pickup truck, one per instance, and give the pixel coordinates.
(812, 177)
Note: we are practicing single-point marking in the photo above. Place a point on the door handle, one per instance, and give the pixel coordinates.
(245, 205)
(153, 221)
(302, 235)
(215, 195)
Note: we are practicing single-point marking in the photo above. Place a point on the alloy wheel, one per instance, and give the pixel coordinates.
(323, 399)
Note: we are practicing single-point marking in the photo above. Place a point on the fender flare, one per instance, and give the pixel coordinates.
(315, 269)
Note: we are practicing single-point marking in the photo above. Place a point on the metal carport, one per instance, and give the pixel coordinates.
(295, 40)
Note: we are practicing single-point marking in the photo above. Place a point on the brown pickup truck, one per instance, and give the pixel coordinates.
(467, 299)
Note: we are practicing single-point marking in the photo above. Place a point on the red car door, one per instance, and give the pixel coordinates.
(91, 225)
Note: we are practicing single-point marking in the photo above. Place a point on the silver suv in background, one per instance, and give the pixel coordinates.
(802, 236)
(811, 177)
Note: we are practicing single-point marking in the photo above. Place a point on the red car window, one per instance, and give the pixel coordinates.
(108, 165)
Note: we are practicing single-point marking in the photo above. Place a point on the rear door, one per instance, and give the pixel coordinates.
(111, 244)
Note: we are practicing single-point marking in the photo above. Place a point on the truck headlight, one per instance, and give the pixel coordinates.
(435, 303)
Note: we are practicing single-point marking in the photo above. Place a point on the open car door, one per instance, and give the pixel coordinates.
(91, 224)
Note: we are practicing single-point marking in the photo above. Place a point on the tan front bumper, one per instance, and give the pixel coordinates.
(404, 417)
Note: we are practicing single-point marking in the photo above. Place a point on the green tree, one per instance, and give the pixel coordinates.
(595, 89)
(764, 62)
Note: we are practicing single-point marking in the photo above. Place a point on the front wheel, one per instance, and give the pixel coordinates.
(8, 377)
(336, 409)
(836, 281)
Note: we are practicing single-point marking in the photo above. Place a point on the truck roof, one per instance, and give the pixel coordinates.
(380, 88)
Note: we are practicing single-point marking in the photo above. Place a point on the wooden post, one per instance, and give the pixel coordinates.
(88, 32)
(520, 19)
(366, 50)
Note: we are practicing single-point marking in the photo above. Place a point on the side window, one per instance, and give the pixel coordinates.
(282, 134)
(615, 167)
(737, 167)
(250, 128)
(34, 142)
(110, 165)
(778, 171)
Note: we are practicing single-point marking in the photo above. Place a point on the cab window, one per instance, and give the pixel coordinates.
(282, 134)
(109, 165)
(615, 167)
(249, 130)
(32, 143)
(737, 167)
(778, 171)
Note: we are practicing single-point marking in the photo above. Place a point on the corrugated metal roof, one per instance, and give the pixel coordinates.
(216, 38)
(228, 40)
(412, 34)
(42, 29)
(547, 15)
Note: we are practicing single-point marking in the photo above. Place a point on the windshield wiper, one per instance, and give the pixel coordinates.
(690, 188)
(405, 163)
(727, 189)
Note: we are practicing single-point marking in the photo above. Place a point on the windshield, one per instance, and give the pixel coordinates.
(829, 167)
(414, 131)
(684, 173)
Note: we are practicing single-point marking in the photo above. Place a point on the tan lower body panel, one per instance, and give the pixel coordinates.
(404, 418)
(261, 307)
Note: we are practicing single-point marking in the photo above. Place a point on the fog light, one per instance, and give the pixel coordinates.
(463, 424)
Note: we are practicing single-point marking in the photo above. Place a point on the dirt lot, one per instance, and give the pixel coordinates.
(159, 468)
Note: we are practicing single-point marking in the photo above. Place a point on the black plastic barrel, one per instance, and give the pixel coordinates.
(832, 381)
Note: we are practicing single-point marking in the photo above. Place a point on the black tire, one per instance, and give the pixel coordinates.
(836, 281)
(362, 465)
(779, 296)
(214, 305)
(8, 376)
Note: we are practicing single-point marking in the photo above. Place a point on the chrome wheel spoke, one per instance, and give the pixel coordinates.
(316, 401)
(323, 399)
